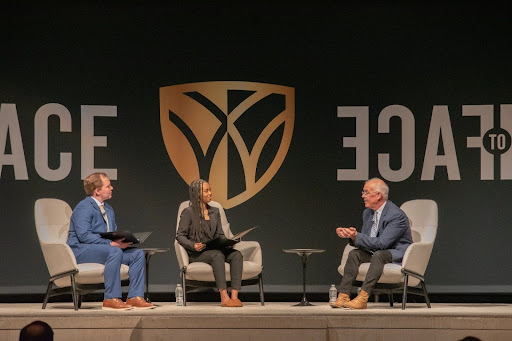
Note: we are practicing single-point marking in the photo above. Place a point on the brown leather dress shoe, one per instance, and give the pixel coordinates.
(115, 304)
(140, 303)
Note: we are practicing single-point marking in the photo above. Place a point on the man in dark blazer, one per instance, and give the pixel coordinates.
(384, 237)
(91, 217)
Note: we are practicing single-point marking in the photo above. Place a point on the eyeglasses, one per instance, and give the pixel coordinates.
(366, 193)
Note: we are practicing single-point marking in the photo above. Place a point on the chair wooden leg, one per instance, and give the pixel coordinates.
(391, 299)
(404, 297)
(260, 282)
(80, 297)
(74, 293)
(427, 299)
(48, 290)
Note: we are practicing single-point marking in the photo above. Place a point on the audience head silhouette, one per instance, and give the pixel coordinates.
(37, 330)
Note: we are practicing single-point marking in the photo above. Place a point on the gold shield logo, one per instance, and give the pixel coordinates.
(210, 128)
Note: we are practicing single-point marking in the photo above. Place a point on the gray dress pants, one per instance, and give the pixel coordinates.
(355, 258)
(217, 258)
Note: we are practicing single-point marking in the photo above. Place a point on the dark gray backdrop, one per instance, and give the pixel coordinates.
(334, 55)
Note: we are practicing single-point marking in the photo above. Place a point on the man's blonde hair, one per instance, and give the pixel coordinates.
(93, 182)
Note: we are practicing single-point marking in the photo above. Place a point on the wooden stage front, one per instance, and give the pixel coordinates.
(274, 321)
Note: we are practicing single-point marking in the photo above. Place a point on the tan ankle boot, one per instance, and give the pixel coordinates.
(359, 302)
(341, 300)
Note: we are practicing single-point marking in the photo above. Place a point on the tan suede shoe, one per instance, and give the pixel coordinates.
(115, 304)
(232, 303)
(140, 303)
(341, 300)
(360, 302)
(237, 302)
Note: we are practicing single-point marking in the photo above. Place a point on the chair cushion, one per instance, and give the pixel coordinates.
(90, 273)
(199, 271)
(392, 274)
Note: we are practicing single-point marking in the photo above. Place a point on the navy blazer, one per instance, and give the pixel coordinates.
(86, 225)
(394, 233)
(187, 218)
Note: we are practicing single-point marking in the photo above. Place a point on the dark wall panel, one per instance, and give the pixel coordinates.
(333, 55)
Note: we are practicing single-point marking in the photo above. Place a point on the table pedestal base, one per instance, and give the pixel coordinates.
(148, 253)
(303, 253)
(303, 303)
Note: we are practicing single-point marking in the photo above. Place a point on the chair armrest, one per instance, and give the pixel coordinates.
(251, 251)
(181, 255)
(59, 258)
(416, 257)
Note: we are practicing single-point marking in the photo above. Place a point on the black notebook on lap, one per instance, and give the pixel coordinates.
(135, 238)
(220, 243)
(223, 242)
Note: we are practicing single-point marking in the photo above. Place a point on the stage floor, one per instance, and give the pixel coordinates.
(274, 321)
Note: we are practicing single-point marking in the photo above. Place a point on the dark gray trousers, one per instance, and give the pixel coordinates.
(217, 258)
(355, 258)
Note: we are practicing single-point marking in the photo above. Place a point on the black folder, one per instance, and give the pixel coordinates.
(134, 238)
(223, 242)
(220, 243)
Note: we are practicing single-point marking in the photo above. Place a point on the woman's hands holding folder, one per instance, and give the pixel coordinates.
(199, 247)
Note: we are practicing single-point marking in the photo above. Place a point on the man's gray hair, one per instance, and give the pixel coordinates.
(380, 186)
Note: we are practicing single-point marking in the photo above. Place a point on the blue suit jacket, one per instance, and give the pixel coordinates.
(394, 233)
(86, 225)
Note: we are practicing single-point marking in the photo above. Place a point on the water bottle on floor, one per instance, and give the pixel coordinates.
(333, 294)
(179, 295)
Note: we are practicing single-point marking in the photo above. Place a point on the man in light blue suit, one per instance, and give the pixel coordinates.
(384, 237)
(91, 217)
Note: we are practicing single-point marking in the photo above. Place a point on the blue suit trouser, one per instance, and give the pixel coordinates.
(113, 257)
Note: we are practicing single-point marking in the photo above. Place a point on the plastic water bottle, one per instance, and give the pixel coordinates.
(179, 295)
(333, 294)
